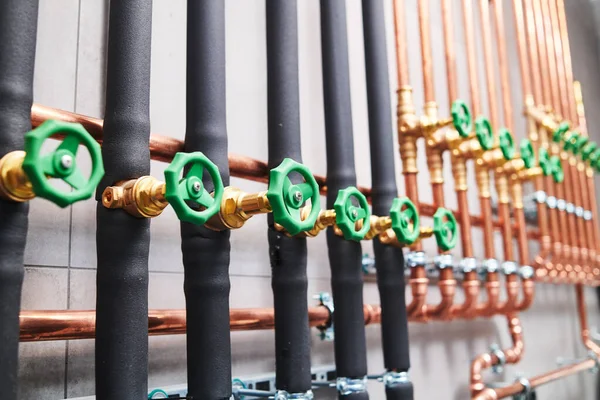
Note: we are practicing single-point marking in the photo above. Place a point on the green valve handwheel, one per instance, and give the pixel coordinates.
(580, 144)
(461, 118)
(588, 150)
(594, 157)
(445, 229)
(557, 170)
(405, 220)
(507, 144)
(544, 161)
(61, 163)
(527, 153)
(484, 133)
(347, 214)
(287, 199)
(570, 141)
(181, 190)
(559, 133)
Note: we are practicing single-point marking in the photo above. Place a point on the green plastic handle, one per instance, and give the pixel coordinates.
(559, 133)
(181, 191)
(544, 161)
(484, 133)
(405, 220)
(527, 153)
(594, 157)
(445, 229)
(596, 165)
(557, 169)
(347, 214)
(569, 141)
(461, 118)
(580, 144)
(287, 199)
(61, 163)
(588, 150)
(507, 144)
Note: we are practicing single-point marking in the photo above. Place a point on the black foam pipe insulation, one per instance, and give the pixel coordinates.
(344, 256)
(288, 255)
(206, 253)
(18, 29)
(389, 260)
(123, 241)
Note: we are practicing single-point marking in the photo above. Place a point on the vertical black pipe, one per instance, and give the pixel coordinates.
(344, 255)
(123, 241)
(287, 255)
(389, 260)
(206, 252)
(18, 28)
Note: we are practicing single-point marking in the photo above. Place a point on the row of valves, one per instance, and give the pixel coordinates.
(293, 195)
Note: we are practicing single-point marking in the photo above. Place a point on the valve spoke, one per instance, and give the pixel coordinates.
(76, 179)
(70, 143)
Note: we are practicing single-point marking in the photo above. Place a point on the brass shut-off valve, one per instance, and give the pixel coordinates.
(147, 197)
(350, 216)
(402, 227)
(27, 174)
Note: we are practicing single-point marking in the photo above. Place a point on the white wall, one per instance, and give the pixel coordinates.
(61, 246)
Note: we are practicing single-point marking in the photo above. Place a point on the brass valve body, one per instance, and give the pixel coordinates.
(378, 226)
(468, 149)
(459, 172)
(237, 207)
(389, 237)
(14, 184)
(143, 197)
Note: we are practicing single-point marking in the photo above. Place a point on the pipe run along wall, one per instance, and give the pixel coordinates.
(344, 256)
(389, 259)
(288, 256)
(206, 253)
(123, 241)
(17, 55)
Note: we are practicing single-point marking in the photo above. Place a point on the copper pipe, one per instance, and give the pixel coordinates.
(401, 44)
(517, 388)
(426, 51)
(465, 223)
(488, 233)
(471, 57)
(583, 322)
(534, 8)
(507, 234)
(492, 290)
(487, 360)
(45, 325)
(528, 98)
(543, 18)
(489, 64)
(418, 282)
(557, 51)
(503, 65)
(449, 53)
(568, 64)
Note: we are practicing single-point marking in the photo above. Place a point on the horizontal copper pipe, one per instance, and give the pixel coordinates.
(46, 325)
(163, 148)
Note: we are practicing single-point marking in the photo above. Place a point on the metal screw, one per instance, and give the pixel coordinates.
(298, 196)
(354, 213)
(196, 187)
(66, 161)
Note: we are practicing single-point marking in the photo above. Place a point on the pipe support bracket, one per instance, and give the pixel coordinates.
(348, 386)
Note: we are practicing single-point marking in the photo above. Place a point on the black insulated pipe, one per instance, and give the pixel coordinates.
(288, 255)
(206, 252)
(344, 256)
(389, 260)
(122, 240)
(18, 29)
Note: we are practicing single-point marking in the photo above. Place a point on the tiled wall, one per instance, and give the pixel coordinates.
(61, 255)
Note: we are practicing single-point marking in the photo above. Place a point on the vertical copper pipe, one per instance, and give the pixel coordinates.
(528, 61)
(568, 64)
(401, 44)
(583, 323)
(489, 64)
(534, 11)
(488, 230)
(503, 65)
(426, 51)
(469, 30)
(449, 53)
(543, 19)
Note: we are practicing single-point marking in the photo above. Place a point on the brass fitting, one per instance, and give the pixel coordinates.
(459, 172)
(468, 149)
(517, 194)
(143, 197)
(501, 181)
(482, 177)
(14, 184)
(237, 207)
(492, 158)
(389, 237)
(378, 226)
(325, 219)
